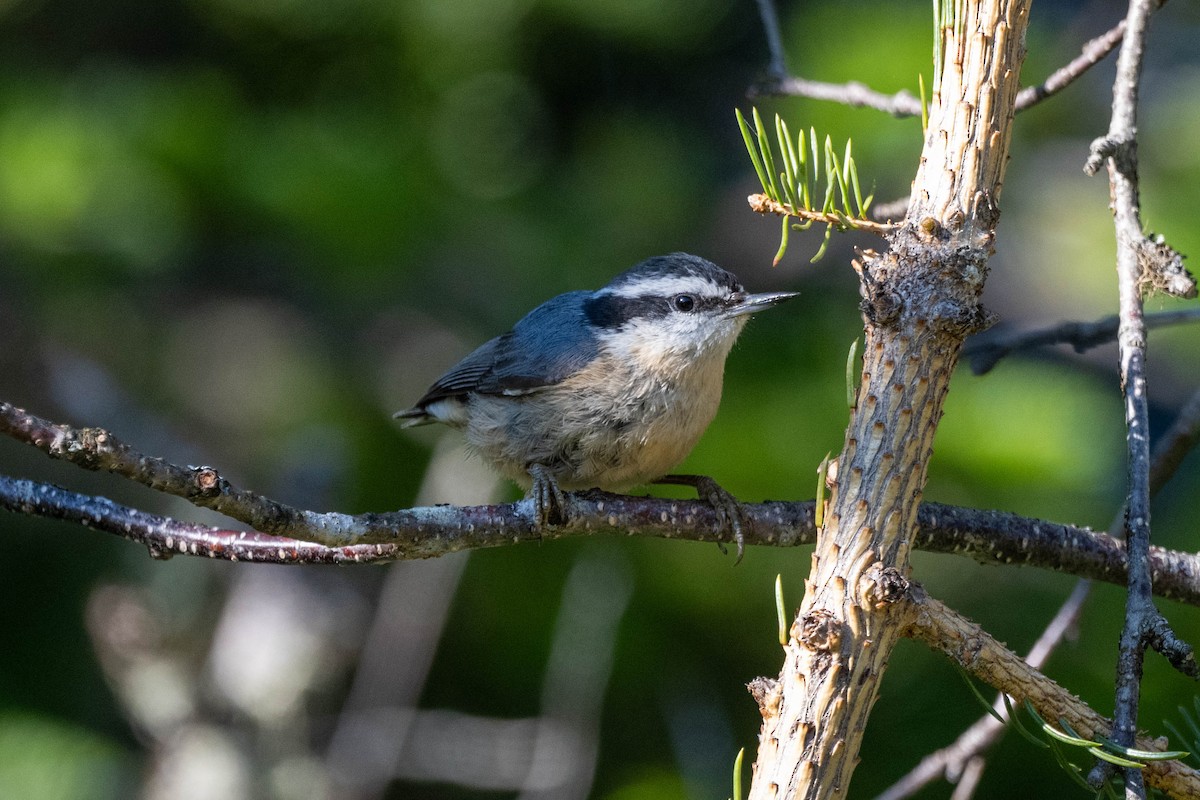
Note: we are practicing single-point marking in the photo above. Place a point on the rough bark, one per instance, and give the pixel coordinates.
(920, 300)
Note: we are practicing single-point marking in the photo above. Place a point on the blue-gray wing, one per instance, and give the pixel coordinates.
(548, 345)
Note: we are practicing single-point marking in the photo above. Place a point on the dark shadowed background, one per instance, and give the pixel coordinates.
(243, 233)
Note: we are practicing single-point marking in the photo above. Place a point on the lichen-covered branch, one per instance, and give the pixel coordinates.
(989, 537)
(301, 536)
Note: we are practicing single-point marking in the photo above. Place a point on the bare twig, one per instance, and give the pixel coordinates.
(1092, 53)
(1144, 626)
(901, 104)
(905, 104)
(985, 351)
(165, 537)
(1179, 440)
(969, 781)
(777, 69)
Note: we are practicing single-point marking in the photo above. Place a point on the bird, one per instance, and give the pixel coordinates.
(605, 389)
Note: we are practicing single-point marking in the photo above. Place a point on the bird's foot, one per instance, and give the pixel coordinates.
(726, 505)
(549, 501)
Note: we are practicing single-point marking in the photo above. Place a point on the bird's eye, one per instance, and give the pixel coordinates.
(683, 302)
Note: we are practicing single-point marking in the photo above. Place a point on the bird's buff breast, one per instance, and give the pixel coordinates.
(602, 427)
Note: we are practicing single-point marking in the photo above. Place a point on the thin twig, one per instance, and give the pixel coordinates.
(777, 69)
(904, 104)
(985, 351)
(761, 204)
(969, 781)
(900, 105)
(1179, 440)
(1144, 626)
(165, 537)
(1093, 52)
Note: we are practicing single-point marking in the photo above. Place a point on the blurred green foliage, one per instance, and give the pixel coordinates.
(244, 233)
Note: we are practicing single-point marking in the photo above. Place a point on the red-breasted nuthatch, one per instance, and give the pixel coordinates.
(606, 389)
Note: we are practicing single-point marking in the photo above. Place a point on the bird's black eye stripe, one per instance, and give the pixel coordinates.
(606, 310)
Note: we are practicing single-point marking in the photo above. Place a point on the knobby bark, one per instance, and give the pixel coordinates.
(920, 300)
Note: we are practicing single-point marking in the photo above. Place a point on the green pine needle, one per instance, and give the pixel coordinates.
(1019, 727)
(822, 491)
(764, 147)
(779, 612)
(737, 774)
(824, 244)
(795, 186)
(753, 151)
(851, 376)
(1142, 755)
(783, 243)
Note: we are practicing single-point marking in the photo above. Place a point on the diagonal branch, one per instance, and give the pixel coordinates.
(952, 761)
(777, 69)
(980, 654)
(1092, 53)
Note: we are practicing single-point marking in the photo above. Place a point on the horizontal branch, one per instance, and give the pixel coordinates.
(989, 537)
(284, 534)
(999, 537)
(985, 351)
(901, 104)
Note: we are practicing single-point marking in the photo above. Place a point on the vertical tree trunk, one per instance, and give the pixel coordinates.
(920, 300)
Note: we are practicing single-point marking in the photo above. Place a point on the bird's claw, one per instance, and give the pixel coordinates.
(725, 504)
(549, 501)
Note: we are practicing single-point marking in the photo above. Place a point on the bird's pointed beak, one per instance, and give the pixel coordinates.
(751, 303)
